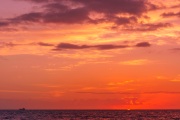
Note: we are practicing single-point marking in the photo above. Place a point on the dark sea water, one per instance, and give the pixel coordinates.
(90, 115)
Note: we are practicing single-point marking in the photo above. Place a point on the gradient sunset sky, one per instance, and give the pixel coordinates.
(90, 54)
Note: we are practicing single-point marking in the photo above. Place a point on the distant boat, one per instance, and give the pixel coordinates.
(22, 109)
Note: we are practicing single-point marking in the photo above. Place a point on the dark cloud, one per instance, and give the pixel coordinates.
(176, 49)
(7, 44)
(78, 15)
(54, 13)
(143, 44)
(152, 27)
(44, 44)
(107, 47)
(77, 11)
(149, 27)
(55, 7)
(176, 6)
(2, 24)
(125, 20)
(71, 46)
(134, 7)
(63, 46)
(38, 1)
(153, 7)
(170, 14)
(11, 44)
(30, 17)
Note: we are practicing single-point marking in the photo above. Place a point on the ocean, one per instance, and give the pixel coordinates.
(89, 114)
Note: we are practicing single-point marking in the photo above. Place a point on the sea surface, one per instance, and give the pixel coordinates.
(90, 115)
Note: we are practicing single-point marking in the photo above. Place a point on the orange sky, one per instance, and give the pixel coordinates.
(93, 54)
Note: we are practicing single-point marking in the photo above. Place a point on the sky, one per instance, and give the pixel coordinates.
(90, 54)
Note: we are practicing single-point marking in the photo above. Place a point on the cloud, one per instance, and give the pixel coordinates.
(149, 27)
(78, 11)
(107, 47)
(155, 7)
(175, 6)
(78, 15)
(8, 29)
(71, 46)
(136, 7)
(170, 14)
(100, 47)
(152, 27)
(130, 93)
(54, 13)
(7, 44)
(125, 20)
(66, 46)
(29, 17)
(135, 62)
(11, 44)
(176, 49)
(63, 46)
(18, 91)
(124, 14)
(2, 24)
(44, 44)
(143, 44)
(39, 1)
